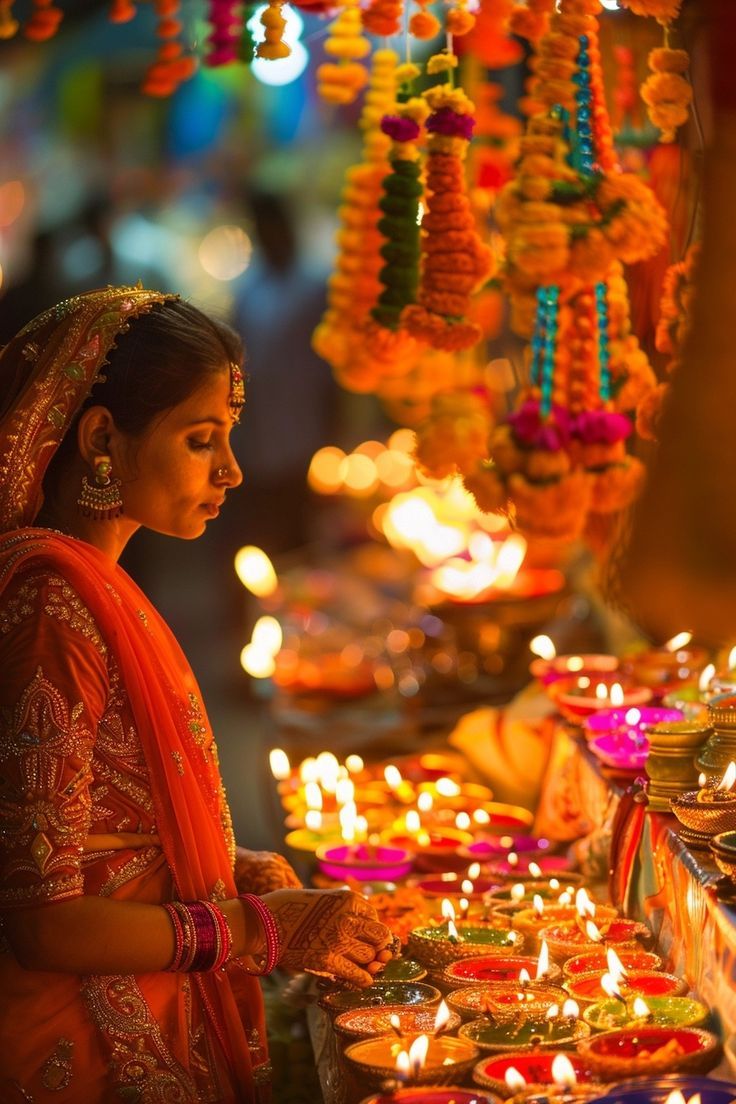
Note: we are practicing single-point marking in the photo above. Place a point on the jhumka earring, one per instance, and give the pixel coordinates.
(100, 500)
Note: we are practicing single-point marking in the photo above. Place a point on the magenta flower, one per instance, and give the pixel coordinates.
(451, 123)
(601, 427)
(400, 129)
(533, 431)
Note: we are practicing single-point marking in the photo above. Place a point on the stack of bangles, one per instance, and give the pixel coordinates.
(202, 939)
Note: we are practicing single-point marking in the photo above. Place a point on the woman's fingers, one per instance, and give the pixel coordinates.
(370, 931)
(349, 971)
(360, 953)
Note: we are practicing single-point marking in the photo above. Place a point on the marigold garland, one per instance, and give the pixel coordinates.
(8, 24)
(531, 21)
(340, 83)
(121, 11)
(44, 21)
(383, 17)
(423, 24)
(454, 438)
(664, 11)
(666, 92)
(171, 67)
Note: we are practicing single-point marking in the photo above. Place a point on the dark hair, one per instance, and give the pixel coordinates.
(158, 362)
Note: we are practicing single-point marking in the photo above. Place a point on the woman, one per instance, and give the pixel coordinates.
(128, 955)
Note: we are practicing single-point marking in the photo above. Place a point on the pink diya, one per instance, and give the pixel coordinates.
(429, 1095)
(505, 997)
(367, 1023)
(567, 666)
(521, 868)
(587, 988)
(364, 862)
(494, 968)
(645, 1051)
(619, 753)
(434, 848)
(578, 698)
(535, 1067)
(566, 940)
(632, 722)
(549, 889)
(595, 962)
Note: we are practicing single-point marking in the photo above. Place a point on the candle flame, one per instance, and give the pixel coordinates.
(583, 903)
(395, 1022)
(583, 682)
(610, 986)
(425, 801)
(601, 691)
(344, 791)
(702, 779)
(681, 640)
(462, 821)
(413, 821)
(313, 820)
(313, 795)
(616, 968)
(640, 1007)
(575, 663)
(474, 871)
(565, 898)
(617, 695)
(448, 911)
(453, 932)
(632, 716)
(354, 764)
(732, 658)
(442, 1018)
(675, 1097)
(308, 770)
(446, 787)
(255, 571)
(593, 933)
(513, 858)
(480, 816)
(524, 977)
(543, 647)
(515, 1081)
(279, 763)
(517, 892)
(729, 777)
(538, 904)
(348, 815)
(552, 1012)
(571, 1009)
(393, 777)
(467, 886)
(543, 960)
(403, 1065)
(705, 677)
(361, 830)
(535, 870)
(554, 883)
(563, 1072)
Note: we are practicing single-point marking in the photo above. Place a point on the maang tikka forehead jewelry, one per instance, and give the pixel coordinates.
(236, 399)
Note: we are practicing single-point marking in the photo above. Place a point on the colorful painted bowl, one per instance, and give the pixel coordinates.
(434, 947)
(564, 942)
(364, 862)
(428, 1095)
(439, 853)
(534, 1066)
(551, 866)
(368, 1023)
(606, 1015)
(620, 753)
(403, 969)
(448, 1059)
(706, 817)
(633, 1052)
(595, 962)
(412, 993)
(565, 666)
(549, 889)
(657, 1091)
(503, 1034)
(586, 988)
(495, 847)
(493, 968)
(504, 997)
(531, 922)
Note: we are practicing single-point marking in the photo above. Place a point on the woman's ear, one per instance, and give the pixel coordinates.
(96, 433)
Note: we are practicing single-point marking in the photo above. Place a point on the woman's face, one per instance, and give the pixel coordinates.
(169, 475)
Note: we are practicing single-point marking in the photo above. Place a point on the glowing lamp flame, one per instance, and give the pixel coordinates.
(702, 779)
(610, 986)
(480, 816)
(543, 960)
(543, 647)
(571, 1009)
(640, 1008)
(681, 640)
(552, 1012)
(344, 791)
(732, 658)
(354, 764)
(267, 635)
(257, 662)
(413, 822)
(675, 1097)
(601, 692)
(425, 801)
(632, 716)
(538, 904)
(313, 820)
(515, 1081)
(393, 777)
(279, 762)
(617, 695)
(467, 886)
(583, 903)
(462, 821)
(403, 1065)
(525, 977)
(575, 663)
(563, 1072)
(442, 1018)
(255, 571)
(509, 559)
(313, 795)
(348, 817)
(593, 933)
(616, 968)
(448, 911)
(395, 1022)
(446, 787)
(729, 777)
(452, 931)
(517, 892)
(512, 858)
(565, 898)
(706, 676)
(554, 883)
(474, 871)
(534, 869)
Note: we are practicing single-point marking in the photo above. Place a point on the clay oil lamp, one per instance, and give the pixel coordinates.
(712, 808)
(488, 969)
(313, 835)
(557, 1028)
(720, 747)
(403, 969)
(528, 1072)
(637, 1052)
(497, 818)
(579, 698)
(620, 981)
(619, 737)
(359, 859)
(430, 1095)
(565, 941)
(411, 1060)
(469, 885)
(532, 921)
(435, 849)
(458, 796)
(665, 668)
(693, 697)
(549, 667)
(522, 868)
(563, 1089)
(723, 849)
(673, 1090)
(598, 962)
(491, 848)
(438, 945)
(412, 994)
(549, 889)
(533, 997)
(368, 1023)
(622, 1011)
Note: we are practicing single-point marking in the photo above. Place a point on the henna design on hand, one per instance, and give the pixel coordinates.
(263, 871)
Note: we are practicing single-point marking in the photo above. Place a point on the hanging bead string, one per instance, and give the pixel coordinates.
(584, 152)
(223, 41)
(544, 343)
(604, 355)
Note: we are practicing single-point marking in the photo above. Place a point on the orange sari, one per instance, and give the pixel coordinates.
(109, 784)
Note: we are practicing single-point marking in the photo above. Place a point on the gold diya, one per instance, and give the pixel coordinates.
(712, 808)
(723, 849)
(564, 941)
(437, 946)
(611, 1013)
(505, 997)
(587, 988)
(532, 920)
(531, 1072)
(448, 1060)
(367, 1023)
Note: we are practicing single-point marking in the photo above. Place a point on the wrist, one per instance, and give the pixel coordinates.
(260, 918)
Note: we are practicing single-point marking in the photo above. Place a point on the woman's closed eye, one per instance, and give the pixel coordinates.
(199, 446)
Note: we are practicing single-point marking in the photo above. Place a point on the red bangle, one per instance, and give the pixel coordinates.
(178, 937)
(270, 930)
(202, 937)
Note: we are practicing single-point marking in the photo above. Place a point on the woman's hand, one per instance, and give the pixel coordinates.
(330, 931)
(263, 871)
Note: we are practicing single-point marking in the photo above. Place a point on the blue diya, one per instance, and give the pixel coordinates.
(658, 1089)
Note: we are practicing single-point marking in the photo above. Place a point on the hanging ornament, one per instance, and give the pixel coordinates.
(383, 17)
(423, 24)
(340, 83)
(666, 92)
(171, 67)
(531, 21)
(8, 24)
(664, 11)
(226, 32)
(44, 21)
(459, 21)
(273, 45)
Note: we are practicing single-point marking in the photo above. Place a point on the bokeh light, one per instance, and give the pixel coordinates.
(225, 252)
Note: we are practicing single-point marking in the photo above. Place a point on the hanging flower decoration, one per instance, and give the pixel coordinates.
(459, 21)
(559, 459)
(488, 40)
(44, 21)
(423, 24)
(122, 11)
(383, 17)
(666, 92)
(226, 32)
(8, 23)
(171, 67)
(531, 20)
(625, 91)
(455, 261)
(340, 82)
(664, 11)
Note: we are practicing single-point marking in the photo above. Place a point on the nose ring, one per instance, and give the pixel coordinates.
(221, 473)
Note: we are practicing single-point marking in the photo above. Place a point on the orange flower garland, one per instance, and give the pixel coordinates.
(8, 24)
(455, 260)
(44, 21)
(340, 83)
(531, 21)
(666, 92)
(454, 438)
(171, 66)
(383, 17)
(664, 11)
(423, 24)
(273, 46)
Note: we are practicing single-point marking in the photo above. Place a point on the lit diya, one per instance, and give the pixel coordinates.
(368, 1023)
(547, 888)
(549, 667)
(597, 962)
(428, 1095)
(634, 1052)
(469, 884)
(436, 1060)
(494, 968)
(672, 1090)
(565, 940)
(580, 697)
(434, 848)
(495, 847)
(438, 945)
(403, 969)
(618, 1011)
(381, 993)
(533, 997)
(459, 796)
(712, 808)
(588, 988)
(532, 920)
(523, 867)
(496, 818)
(556, 1028)
(528, 1071)
(364, 862)
(664, 668)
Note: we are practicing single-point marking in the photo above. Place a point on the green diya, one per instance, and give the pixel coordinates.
(403, 969)
(607, 1015)
(381, 993)
(521, 1032)
(444, 943)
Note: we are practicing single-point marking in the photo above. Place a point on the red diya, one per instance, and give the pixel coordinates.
(663, 668)
(595, 962)
(565, 940)
(450, 885)
(494, 968)
(645, 1051)
(429, 1095)
(569, 666)
(531, 922)
(534, 1066)
(489, 848)
(435, 849)
(367, 1023)
(503, 819)
(578, 698)
(586, 988)
(541, 866)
